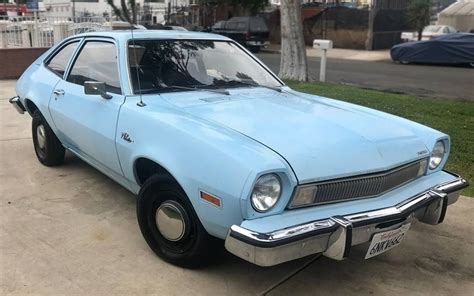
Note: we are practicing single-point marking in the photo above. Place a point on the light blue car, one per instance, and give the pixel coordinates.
(216, 146)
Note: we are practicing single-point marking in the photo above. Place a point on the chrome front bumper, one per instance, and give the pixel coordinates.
(334, 236)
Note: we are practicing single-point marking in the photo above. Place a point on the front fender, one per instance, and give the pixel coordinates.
(201, 157)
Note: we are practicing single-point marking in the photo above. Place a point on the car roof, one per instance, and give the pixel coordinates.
(125, 35)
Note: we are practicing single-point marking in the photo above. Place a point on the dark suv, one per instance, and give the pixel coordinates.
(252, 32)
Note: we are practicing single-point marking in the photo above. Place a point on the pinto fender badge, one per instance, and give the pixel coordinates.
(126, 137)
(422, 152)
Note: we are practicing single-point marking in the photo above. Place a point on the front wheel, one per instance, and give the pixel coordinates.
(48, 148)
(169, 224)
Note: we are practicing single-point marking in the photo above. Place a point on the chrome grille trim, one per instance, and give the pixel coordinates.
(363, 186)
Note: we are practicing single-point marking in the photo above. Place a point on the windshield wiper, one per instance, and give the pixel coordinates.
(195, 88)
(243, 82)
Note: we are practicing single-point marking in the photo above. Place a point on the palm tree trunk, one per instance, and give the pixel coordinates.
(293, 63)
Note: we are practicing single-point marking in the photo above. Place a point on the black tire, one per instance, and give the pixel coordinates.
(194, 248)
(49, 150)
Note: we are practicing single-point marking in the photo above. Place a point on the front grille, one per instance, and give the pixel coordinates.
(365, 186)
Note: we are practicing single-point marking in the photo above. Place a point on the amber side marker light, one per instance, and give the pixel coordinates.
(210, 198)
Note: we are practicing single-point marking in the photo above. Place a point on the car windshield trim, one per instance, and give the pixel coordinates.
(174, 88)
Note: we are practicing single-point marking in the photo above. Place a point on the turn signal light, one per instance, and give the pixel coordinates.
(210, 198)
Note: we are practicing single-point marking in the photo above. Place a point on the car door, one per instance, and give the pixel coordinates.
(50, 73)
(86, 124)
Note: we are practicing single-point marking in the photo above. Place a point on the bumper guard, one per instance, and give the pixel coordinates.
(15, 101)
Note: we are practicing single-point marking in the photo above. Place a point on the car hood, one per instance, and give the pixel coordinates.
(320, 138)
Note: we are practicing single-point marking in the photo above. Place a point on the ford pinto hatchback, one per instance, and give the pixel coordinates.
(216, 146)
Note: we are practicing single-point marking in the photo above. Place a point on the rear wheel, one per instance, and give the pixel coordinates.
(169, 224)
(48, 148)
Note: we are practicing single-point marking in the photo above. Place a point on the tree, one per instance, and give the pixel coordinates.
(250, 7)
(125, 13)
(239, 7)
(293, 63)
(419, 15)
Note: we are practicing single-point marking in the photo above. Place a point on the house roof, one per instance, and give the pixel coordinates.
(465, 8)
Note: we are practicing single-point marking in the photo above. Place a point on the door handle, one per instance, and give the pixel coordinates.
(59, 92)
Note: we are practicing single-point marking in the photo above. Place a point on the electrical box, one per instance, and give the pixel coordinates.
(322, 44)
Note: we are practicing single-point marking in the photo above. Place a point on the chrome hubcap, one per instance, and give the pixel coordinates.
(41, 136)
(170, 222)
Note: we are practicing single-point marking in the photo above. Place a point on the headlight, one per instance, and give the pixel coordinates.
(266, 192)
(437, 155)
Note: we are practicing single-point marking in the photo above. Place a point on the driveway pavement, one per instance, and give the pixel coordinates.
(371, 70)
(71, 230)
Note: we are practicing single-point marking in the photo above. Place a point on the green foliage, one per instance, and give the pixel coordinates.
(127, 13)
(252, 6)
(419, 14)
(248, 7)
(453, 117)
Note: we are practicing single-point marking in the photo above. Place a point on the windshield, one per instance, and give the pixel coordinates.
(179, 65)
(431, 29)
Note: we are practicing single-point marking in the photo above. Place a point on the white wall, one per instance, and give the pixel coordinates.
(63, 8)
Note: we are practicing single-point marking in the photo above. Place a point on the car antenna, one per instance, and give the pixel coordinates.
(141, 103)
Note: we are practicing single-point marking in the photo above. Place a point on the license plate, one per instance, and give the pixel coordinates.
(384, 241)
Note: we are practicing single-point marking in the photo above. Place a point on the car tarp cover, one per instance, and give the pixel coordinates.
(451, 48)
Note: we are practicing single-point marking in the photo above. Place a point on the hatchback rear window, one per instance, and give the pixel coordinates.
(258, 25)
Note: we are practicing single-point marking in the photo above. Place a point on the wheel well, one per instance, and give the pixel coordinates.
(145, 168)
(30, 106)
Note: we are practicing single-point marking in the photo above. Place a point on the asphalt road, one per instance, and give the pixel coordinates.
(70, 230)
(424, 80)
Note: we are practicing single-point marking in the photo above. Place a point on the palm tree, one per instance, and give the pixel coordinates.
(125, 13)
(419, 14)
(294, 63)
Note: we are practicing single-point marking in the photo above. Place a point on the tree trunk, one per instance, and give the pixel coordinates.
(369, 42)
(293, 63)
(420, 34)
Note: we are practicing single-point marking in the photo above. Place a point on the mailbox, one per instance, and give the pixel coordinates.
(322, 44)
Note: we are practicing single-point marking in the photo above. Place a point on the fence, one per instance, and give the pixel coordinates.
(24, 32)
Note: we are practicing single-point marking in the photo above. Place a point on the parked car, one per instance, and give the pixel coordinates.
(172, 27)
(429, 32)
(215, 145)
(448, 49)
(252, 32)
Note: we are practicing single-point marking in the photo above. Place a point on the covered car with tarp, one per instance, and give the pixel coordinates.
(455, 48)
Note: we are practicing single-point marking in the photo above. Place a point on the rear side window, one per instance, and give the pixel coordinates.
(231, 25)
(241, 26)
(60, 60)
(97, 61)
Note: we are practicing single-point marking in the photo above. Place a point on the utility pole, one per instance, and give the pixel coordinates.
(74, 11)
(169, 11)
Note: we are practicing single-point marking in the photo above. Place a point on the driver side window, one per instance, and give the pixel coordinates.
(97, 61)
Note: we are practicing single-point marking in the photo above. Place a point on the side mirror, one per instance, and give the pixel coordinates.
(96, 88)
